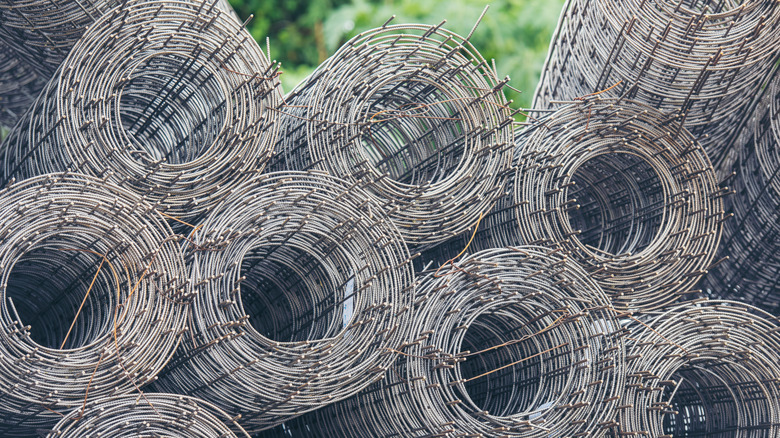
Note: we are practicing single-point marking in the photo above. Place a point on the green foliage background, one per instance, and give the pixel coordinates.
(303, 33)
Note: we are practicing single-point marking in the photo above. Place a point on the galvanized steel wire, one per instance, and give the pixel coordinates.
(93, 296)
(170, 98)
(303, 283)
(416, 113)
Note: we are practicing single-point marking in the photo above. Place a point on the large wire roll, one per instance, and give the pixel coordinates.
(303, 285)
(510, 342)
(701, 59)
(169, 97)
(751, 239)
(152, 415)
(706, 369)
(416, 113)
(623, 189)
(93, 296)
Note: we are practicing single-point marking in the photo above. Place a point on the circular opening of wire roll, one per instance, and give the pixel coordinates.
(512, 367)
(291, 295)
(414, 132)
(172, 108)
(66, 296)
(618, 203)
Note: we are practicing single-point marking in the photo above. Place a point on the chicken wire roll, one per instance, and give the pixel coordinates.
(171, 97)
(516, 341)
(706, 369)
(698, 58)
(303, 285)
(93, 296)
(751, 239)
(150, 415)
(413, 111)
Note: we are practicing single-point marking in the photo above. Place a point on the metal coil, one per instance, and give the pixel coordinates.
(623, 189)
(154, 415)
(706, 369)
(170, 97)
(93, 296)
(416, 113)
(303, 283)
(19, 86)
(701, 59)
(511, 342)
(750, 261)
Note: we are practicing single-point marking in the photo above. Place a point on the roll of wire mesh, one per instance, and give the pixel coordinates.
(751, 239)
(93, 296)
(169, 97)
(155, 415)
(413, 111)
(706, 369)
(303, 284)
(702, 59)
(510, 342)
(623, 189)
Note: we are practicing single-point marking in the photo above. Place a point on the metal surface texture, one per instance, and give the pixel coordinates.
(303, 284)
(416, 113)
(172, 98)
(94, 296)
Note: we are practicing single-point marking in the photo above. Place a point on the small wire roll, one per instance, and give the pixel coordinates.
(700, 59)
(93, 296)
(170, 98)
(416, 113)
(303, 284)
(750, 261)
(153, 415)
(511, 342)
(703, 369)
(623, 189)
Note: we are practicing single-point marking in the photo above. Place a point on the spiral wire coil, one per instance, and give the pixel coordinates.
(700, 59)
(416, 113)
(93, 296)
(155, 415)
(172, 98)
(750, 267)
(706, 369)
(303, 283)
(508, 342)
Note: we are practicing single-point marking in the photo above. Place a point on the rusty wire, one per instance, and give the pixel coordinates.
(751, 240)
(624, 189)
(700, 59)
(156, 415)
(703, 369)
(171, 98)
(303, 284)
(93, 296)
(416, 113)
(511, 342)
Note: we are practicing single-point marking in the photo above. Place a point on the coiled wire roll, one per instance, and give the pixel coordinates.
(155, 415)
(93, 296)
(510, 342)
(171, 97)
(624, 189)
(701, 59)
(413, 111)
(703, 369)
(751, 239)
(303, 284)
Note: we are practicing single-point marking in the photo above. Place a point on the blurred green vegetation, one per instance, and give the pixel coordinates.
(303, 33)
